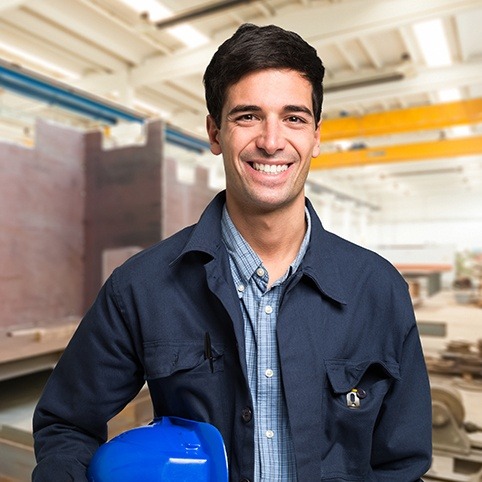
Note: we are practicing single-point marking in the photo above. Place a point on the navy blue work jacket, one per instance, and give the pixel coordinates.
(345, 321)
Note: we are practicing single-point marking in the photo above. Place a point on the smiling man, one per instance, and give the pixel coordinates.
(268, 134)
(300, 347)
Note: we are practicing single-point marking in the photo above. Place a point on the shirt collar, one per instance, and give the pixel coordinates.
(245, 258)
(240, 252)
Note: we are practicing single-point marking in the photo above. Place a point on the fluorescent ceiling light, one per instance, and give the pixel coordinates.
(461, 131)
(33, 59)
(433, 43)
(186, 34)
(449, 95)
(343, 144)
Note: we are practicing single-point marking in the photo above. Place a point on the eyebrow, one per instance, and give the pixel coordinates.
(243, 108)
(297, 108)
(255, 108)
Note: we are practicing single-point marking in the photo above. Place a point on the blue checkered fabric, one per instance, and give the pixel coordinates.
(274, 452)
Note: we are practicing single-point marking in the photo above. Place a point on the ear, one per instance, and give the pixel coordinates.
(316, 146)
(213, 134)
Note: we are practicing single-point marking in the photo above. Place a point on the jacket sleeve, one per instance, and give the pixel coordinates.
(402, 442)
(97, 375)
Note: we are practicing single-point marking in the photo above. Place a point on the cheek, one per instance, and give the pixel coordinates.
(238, 144)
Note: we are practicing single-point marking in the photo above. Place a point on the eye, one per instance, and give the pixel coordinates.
(294, 119)
(245, 118)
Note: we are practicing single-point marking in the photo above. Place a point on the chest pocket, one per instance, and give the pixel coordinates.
(352, 399)
(183, 383)
(166, 359)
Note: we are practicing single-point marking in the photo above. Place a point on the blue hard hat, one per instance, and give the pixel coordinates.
(168, 449)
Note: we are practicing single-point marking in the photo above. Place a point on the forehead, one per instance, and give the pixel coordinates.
(270, 87)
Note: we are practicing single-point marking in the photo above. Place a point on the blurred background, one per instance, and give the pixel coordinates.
(103, 152)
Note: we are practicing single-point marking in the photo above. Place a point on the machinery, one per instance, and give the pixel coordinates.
(169, 449)
(457, 456)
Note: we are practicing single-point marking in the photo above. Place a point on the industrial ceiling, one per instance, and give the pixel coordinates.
(375, 65)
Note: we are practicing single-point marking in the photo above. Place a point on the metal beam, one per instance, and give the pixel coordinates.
(425, 80)
(178, 138)
(446, 148)
(413, 119)
(200, 12)
(39, 87)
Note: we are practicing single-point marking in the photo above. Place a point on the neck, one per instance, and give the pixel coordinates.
(275, 236)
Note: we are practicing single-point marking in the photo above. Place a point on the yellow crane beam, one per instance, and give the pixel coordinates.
(429, 117)
(399, 153)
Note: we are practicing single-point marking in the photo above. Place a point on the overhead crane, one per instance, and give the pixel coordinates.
(402, 121)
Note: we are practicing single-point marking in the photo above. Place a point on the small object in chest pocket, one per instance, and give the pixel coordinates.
(208, 354)
(354, 396)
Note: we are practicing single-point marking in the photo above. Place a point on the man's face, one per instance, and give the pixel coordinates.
(267, 138)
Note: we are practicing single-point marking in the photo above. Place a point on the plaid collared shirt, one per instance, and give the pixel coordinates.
(274, 451)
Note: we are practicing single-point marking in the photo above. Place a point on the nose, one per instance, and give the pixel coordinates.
(271, 138)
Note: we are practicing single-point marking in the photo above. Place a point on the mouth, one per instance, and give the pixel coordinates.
(269, 168)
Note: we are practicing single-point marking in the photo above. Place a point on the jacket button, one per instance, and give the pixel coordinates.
(247, 415)
(244, 480)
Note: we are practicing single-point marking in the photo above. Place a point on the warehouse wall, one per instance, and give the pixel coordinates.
(67, 202)
(123, 203)
(135, 197)
(184, 201)
(41, 228)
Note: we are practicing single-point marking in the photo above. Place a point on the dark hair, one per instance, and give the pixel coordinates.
(253, 48)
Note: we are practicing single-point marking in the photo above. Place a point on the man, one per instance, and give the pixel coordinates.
(300, 347)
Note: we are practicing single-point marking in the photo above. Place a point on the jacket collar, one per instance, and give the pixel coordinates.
(206, 234)
(321, 262)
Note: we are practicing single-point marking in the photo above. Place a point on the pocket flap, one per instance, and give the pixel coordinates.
(345, 375)
(163, 359)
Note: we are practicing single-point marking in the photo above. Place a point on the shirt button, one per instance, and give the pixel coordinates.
(269, 434)
(241, 288)
(260, 272)
(268, 309)
(247, 414)
(268, 373)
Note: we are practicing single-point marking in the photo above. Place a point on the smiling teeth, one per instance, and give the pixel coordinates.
(270, 168)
